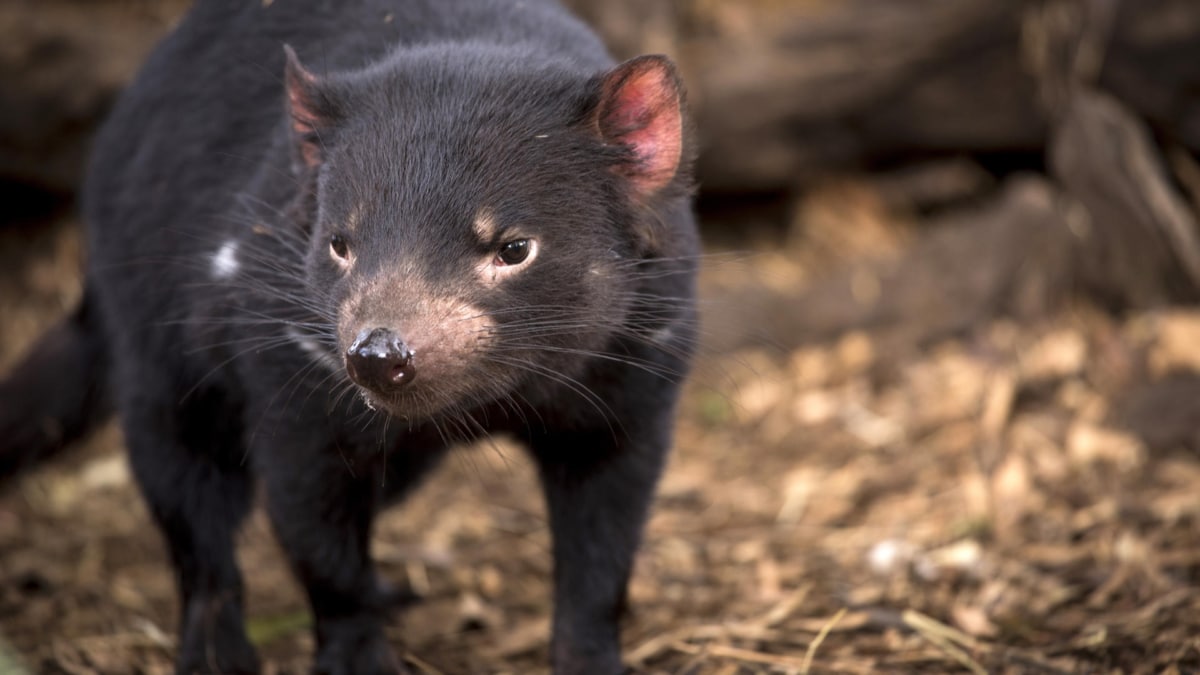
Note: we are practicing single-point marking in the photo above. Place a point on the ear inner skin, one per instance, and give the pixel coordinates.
(304, 107)
(640, 109)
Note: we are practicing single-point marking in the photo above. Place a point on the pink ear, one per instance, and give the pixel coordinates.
(640, 108)
(304, 108)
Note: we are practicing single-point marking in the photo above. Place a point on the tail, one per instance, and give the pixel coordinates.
(56, 394)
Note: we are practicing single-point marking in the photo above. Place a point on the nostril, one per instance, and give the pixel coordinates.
(380, 360)
(399, 372)
(402, 371)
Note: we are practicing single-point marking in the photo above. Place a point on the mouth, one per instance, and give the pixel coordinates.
(374, 403)
(408, 406)
(377, 404)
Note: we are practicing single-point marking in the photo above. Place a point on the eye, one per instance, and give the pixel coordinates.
(339, 247)
(514, 252)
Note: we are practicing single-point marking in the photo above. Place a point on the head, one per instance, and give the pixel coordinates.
(472, 212)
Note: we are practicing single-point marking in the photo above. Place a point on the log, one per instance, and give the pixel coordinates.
(783, 91)
(786, 90)
(1112, 223)
(1011, 255)
(1137, 238)
(62, 63)
(1138, 244)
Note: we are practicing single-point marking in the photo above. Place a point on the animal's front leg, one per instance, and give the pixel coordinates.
(186, 459)
(598, 486)
(322, 514)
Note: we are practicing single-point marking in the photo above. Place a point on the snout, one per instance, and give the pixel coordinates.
(379, 360)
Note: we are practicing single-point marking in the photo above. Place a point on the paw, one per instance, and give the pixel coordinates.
(378, 661)
(217, 659)
(358, 653)
(596, 662)
(214, 642)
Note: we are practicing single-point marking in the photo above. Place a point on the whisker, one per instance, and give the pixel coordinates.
(664, 372)
(570, 383)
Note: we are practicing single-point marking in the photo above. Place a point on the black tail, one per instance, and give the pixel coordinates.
(55, 395)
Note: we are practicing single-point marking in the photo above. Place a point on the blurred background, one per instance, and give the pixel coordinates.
(947, 409)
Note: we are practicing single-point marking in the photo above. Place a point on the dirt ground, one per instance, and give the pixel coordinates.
(968, 505)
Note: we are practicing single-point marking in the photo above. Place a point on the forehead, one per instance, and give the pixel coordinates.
(451, 151)
(432, 97)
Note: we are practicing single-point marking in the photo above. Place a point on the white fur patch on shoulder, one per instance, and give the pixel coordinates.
(225, 262)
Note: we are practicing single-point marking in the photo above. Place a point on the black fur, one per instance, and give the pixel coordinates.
(55, 395)
(407, 125)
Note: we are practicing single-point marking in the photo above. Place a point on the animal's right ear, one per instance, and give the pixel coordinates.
(310, 110)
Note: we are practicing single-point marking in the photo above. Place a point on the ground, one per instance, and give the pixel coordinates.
(967, 504)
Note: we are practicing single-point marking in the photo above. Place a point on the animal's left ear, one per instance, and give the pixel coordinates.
(640, 108)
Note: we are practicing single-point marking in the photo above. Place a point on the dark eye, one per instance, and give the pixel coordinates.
(337, 244)
(514, 252)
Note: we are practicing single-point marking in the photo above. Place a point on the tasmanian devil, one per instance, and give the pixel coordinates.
(330, 238)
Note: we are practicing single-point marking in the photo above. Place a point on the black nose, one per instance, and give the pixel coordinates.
(380, 361)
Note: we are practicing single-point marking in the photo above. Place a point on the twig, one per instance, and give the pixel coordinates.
(812, 648)
(784, 608)
(664, 641)
(944, 638)
(753, 630)
(422, 665)
(745, 655)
